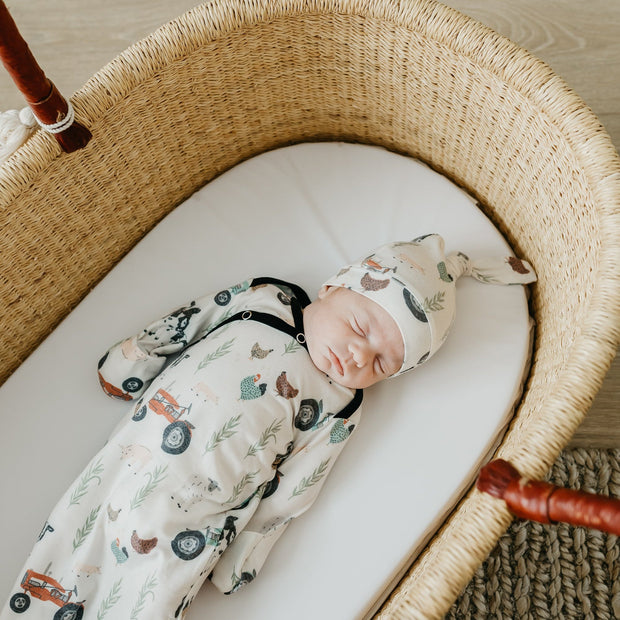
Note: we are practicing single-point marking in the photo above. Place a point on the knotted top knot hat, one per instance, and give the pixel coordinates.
(414, 281)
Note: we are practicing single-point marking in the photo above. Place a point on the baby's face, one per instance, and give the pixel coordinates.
(351, 338)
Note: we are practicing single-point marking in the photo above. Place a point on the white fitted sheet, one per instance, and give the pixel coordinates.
(297, 213)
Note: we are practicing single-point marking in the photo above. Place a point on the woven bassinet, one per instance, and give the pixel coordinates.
(233, 78)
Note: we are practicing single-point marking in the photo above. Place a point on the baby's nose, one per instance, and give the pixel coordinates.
(360, 352)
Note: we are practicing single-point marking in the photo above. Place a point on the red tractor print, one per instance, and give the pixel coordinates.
(46, 589)
(133, 384)
(129, 386)
(178, 433)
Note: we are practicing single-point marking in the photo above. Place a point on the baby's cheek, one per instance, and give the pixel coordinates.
(317, 359)
(371, 378)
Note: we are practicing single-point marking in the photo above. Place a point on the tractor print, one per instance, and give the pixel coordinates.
(246, 577)
(223, 297)
(307, 418)
(129, 386)
(133, 384)
(308, 414)
(178, 434)
(45, 588)
(190, 544)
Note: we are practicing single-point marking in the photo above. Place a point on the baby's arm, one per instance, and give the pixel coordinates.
(128, 367)
(300, 479)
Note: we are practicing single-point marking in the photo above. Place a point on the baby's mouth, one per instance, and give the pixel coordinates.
(335, 362)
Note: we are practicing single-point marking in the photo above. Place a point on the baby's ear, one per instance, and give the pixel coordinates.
(323, 291)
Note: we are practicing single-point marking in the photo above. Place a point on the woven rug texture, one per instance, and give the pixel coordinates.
(553, 571)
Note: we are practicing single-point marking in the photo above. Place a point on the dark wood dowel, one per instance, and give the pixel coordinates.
(47, 104)
(546, 503)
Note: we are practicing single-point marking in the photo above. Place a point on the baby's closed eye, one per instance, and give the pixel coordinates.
(357, 329)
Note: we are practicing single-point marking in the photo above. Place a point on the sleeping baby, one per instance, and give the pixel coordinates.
(243, 402)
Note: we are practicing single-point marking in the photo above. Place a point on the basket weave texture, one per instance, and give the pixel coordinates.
(553, 571)
(234, 78)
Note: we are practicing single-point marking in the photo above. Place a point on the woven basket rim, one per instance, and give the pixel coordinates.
(493, 52)
(461, 33)
(208, 21)
(593, 348)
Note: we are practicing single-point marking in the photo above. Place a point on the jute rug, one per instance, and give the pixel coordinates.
(559, 571)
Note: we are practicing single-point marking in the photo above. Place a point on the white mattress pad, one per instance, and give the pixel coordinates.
(297, 214)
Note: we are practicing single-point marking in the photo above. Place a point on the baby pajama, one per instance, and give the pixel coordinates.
(222, 448)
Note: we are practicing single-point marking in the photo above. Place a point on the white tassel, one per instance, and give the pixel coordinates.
(15, 128)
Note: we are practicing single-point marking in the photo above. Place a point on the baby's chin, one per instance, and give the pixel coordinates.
(348, 383)
(340, 380)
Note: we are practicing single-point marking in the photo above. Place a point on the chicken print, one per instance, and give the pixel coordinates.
(340, 431)
(284, 388)
(517, 265)
(250, 388)
(372, 284)
(120, 554)
(142, 545)
(112, 514)
(259, 354)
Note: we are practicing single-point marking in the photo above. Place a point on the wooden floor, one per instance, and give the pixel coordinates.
(72, 39)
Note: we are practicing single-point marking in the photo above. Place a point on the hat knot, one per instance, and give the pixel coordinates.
(458, 264)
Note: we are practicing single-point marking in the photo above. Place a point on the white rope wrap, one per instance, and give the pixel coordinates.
(15, 128)
(62, 125)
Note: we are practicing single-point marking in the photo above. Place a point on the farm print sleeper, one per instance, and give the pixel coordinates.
(231, 436)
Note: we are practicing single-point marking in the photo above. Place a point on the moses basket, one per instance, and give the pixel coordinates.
(234, 78)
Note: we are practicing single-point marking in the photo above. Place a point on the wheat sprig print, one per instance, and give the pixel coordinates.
(487, 279)
(247, 479)
(291, 347)
(435, 303)
(159, 473)
(147, 589)
(269, 433)
(82, 533)
(221, 351)
(110, 600)
(311, 480)
(81, 488)
(226, 432)
(217, 321)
